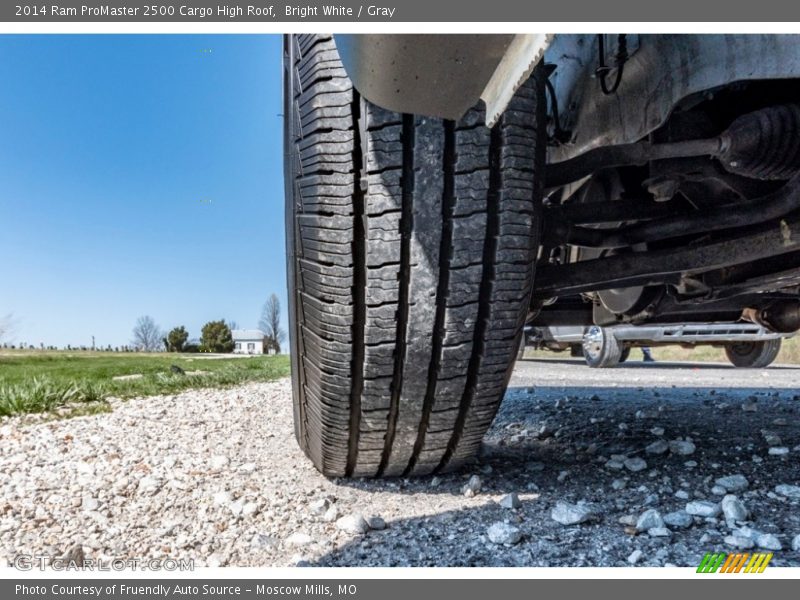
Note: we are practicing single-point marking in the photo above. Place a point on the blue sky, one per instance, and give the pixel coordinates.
(139, 175)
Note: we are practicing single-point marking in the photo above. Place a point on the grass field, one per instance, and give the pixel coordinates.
(72, 383)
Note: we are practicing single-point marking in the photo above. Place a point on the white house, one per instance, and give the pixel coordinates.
(248, 341)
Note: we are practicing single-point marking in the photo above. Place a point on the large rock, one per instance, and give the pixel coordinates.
(635, 464)
(503, 533)
(703, 508)
(679, 519)
(733, 483)
(657, 447)
(733, 508)
(681, 447)
(355, 523)
(571, 514)
(510, 501)
(649, 519)
(790, 491)
(472, 487)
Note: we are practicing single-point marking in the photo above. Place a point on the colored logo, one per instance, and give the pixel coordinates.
(720, 562)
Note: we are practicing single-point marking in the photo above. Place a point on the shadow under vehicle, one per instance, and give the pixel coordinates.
(745, 344)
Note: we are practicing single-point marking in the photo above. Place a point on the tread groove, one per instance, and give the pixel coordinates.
(445, 254)
(406, 227)
(359, 291)
(485, 294)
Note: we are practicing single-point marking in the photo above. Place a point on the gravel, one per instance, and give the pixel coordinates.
(216, 475)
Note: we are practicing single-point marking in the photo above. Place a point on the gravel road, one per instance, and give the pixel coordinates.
(644, 464)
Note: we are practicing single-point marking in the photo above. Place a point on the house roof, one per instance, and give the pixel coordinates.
(247, 335)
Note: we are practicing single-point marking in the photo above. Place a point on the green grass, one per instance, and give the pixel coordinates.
(71, 383)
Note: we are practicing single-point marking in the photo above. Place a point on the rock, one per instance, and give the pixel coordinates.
(261, 541)
(222, 498)
(319, 507)
(790, 491)
(510, 501)
(682, 494)
(331, 514)
(771, 439)
(618, 484)
(718, 490)
(659, 532)
(355, 524)
(703, 508)
(617, 465)
(778, 451)
(236, 508)
(739, 541)
(74, 554)
(628, 520)
(219, 462)
(472, 487)
(767, 541)
(571, 514)
(635, 464)
(634, 556)
(649, 519)
(657, 447)
(733, 508)
(733, 483)
(503, 533)
(796, 543)
(216, 560)
(659, 431)
(375, 522)
(89, 503)
(750, 406)
(250, 509)
(678, 519)
(298, 539)
(149, 485)
(681, 447)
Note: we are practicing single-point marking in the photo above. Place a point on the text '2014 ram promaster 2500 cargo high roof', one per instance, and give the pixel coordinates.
(443, 191)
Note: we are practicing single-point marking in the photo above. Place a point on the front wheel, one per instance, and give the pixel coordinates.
(755, 355)
(411, 244)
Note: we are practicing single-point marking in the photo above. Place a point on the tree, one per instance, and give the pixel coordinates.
(176, 339)
(147, 335)
(270, 324)
(216, 337)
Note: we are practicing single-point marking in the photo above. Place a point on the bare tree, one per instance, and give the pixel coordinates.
(147, 336)
(270, 323)
(7, 326)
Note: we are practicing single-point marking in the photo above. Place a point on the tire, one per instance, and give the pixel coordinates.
(411, 246)
(625, 354)
(755, 355)
(600, 348)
